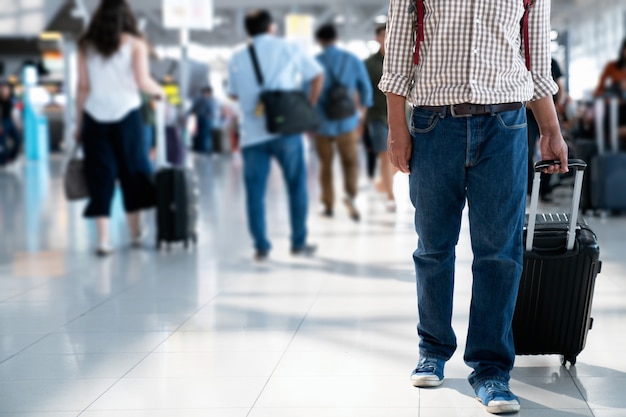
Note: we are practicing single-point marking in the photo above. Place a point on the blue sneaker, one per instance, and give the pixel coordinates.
(429, 373)
(497, 397)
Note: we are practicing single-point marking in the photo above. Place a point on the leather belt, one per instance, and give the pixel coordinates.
(469, 109)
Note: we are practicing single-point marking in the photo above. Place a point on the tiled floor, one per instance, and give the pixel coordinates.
(210, 333)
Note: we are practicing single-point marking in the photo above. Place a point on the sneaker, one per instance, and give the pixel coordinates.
(261, 255)
(429, 373)
(306, 250)
(352, 211)
(391, 206)
(104, 249)
(137, 240)
(327, 213)
(497, 397)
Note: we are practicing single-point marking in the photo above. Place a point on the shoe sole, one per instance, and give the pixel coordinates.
(426, 382)
(501, 407)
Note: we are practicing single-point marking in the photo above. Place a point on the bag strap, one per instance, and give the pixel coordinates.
(528, 4)
(255, 64)
(418, 7)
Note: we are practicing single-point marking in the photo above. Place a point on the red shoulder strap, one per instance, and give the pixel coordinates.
(528, 4)
(419, 35)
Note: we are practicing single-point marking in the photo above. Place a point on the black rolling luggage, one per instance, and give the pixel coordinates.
(552, 314)
(177, 195)
(177, 206)
(608, 169)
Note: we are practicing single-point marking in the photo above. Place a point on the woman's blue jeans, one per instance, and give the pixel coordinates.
(289, 153)
(481, 160)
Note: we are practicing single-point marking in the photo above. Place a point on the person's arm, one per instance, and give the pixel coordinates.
(397, 81)
(364, 85)
(315, 88)
(82, 91)
(551, 143)
(399, 144)
(141, 70)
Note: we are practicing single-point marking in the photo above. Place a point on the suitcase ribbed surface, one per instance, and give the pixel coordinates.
(552, 314)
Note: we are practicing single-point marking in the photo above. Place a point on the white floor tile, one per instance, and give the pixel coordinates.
(209, 332)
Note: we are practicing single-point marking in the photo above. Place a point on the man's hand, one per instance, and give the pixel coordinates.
(551, 143)
(399, 148)
(399, 144)
(553, 146)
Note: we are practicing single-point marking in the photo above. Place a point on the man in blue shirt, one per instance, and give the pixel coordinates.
(346, 69)
(283, 64)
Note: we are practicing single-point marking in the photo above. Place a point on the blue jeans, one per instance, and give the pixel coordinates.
(481, 160)
(203, 141)
(289, 153)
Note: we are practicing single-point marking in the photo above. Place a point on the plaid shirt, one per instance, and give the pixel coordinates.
(471, 53)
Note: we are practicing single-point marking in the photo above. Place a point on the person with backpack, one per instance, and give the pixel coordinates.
(468, 77)
(345, 74)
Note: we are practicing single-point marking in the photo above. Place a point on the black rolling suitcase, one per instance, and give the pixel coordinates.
(608, 168)
(561, 261)
(177, 195)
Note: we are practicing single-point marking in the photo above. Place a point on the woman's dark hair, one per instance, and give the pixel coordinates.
(258, 22)
(621, 59)
(112, 19)
(326, 33)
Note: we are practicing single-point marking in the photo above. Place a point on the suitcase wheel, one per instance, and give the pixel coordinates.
(568, 358)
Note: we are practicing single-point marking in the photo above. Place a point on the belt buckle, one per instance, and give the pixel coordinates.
(453, 113)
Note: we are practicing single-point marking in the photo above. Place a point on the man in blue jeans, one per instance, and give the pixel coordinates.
(282, 64)
(468, 81)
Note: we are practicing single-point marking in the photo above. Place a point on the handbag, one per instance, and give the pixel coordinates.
(74, 180)
(286, 111)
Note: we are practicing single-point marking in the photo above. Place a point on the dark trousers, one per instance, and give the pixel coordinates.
(116, 151)
(11, 133)
(203, 141)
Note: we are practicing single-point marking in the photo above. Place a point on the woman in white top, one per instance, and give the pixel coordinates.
(112, 70)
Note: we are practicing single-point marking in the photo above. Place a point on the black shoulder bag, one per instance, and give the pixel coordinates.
(286, 111)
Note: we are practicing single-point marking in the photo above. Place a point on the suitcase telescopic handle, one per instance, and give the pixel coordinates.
(577, 165)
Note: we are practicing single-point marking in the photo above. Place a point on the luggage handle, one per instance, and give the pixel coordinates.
(599, 115)
(579, 166)
(159, 127)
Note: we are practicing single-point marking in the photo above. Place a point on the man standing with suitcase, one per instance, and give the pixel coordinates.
(468, 76)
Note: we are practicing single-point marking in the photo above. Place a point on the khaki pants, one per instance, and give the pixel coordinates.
(348, 154)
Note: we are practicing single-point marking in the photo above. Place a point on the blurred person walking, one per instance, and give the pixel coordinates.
(112, 69)
(467, 80)
(8, 130)
(613, 83)
(282, 64)
(345, 75)
(376, 120)
(613, 78)
(204, 109)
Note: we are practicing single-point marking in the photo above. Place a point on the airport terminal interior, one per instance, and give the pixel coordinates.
(207, 330)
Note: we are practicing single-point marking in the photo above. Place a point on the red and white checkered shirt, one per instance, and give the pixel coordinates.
(471, 53)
